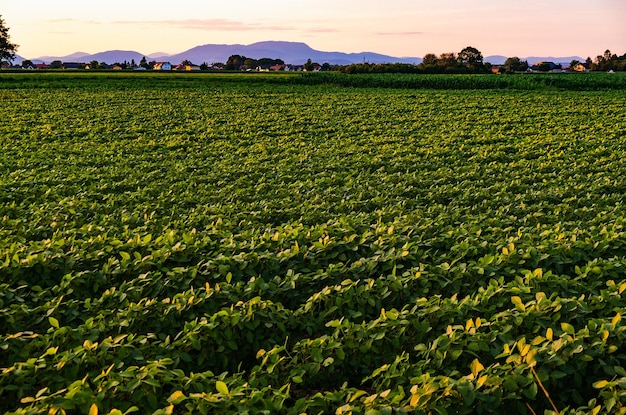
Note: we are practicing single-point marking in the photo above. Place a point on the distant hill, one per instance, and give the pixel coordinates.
(295, 53)
(74, 57)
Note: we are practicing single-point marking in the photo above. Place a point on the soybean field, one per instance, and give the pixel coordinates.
(319, 244)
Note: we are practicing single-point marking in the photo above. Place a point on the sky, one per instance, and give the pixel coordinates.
(401, 28)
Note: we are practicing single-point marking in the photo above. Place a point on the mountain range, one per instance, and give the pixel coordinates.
(296, 53)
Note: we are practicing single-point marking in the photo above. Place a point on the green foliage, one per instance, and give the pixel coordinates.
(454, 81)
(7, 49)
(223, 244)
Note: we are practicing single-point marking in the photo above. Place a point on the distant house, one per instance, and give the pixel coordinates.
(291, 68)
(42, 66)
(581, 67)
(183, 67)
(277, 68)
(71, 65)
(162, 66)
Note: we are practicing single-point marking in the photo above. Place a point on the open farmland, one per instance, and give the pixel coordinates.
(288, 244)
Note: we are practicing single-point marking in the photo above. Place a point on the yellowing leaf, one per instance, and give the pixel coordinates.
(93, 409)
(481, 381)
(221, 387)
(476, 367)
(549, 333)
(176, 398)
(517, 301)
(616, 319)
(568, 328)
(605, 335)
(392, 314)
(600, 384)
(357, 395)
(530, 358)
(53, 322)
(524, 350)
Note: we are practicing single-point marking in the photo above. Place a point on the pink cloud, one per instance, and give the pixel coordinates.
(209, 24)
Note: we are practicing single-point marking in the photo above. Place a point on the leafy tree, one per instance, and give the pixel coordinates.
(56, 65)
(250, 63)
(545, 67)
(235, 62)
(430, 59)
(94, 64)
(309, 66)
(28, 64)
(573, 63)
(515, 64)
(7, 49)
(471, 58)
(447, 60)
(143, 63)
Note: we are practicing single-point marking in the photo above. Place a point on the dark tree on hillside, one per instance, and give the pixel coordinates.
(7, 49)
